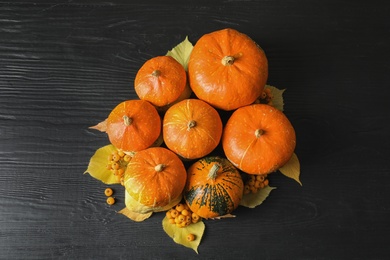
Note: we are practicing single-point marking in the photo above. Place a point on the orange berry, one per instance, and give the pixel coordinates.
(127, 158)
(110, 200)
(191, 237)
(172, 221)
(266, 182)
(174, 213)
(185, 212)
(179, 207)
(108, 192)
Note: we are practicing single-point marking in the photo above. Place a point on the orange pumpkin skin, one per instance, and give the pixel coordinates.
(258, 139)
(227, 69)
(133, 125)
(155, 176)
(192, 128)
(160, 80)
(213, 196)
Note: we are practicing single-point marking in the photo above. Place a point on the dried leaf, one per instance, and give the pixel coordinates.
(252, 200)
(277, 97)
(292, 168)
(102, 126)
(135, 216)
(179, 234)
(225, 216)
(181, 52)
(97, 166)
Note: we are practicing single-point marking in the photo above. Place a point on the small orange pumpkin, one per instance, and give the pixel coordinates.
(214, 187)
(227, 69)
(192, 128)
(258, 139)
(155, 177)
(161, 80)
(133, 125)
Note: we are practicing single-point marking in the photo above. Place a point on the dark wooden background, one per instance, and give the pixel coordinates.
(65, 64)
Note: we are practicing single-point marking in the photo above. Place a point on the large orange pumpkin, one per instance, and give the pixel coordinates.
(258, 139)
(214, 187)
(161, 80)
(227, 69)
(155, 177)
(192, 128)
(133, 125)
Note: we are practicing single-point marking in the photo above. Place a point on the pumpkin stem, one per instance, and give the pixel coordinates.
(191, 124)
(127, 120)
(156, 73)
(259, 132)
(213, 171)
(228, 60)
(159, 167)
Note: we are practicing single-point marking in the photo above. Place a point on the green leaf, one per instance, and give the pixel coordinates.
(292, 169)
(179, 234)
(252, 200)
(277, 97)
(181, 52)
(97, 166)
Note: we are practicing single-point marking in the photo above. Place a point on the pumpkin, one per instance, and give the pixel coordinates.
(214, 187)
(133, 125)
(161, 80)
(192, 128)
(258, 139)
(155, 177)
(227, 69)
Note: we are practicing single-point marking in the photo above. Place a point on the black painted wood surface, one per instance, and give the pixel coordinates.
(65, 64)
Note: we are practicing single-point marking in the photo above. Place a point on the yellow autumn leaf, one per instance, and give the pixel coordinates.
(277, 97)
(135, 216)
(181, 52)
(97, 166)
(179, 234)
(292, 169)
(252, 200)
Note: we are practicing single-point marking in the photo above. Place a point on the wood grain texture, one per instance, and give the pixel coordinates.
(65, 65)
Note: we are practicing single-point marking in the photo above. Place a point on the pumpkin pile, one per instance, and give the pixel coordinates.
(202, 137)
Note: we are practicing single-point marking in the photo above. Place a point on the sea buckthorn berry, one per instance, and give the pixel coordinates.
(251, 182)
(260, 177)
(127, 158)
(247, 189)
(185, 212)
(191, 237)
(177, 220)
(109, 167)
(195, 217)
(120, 171)
(121, 153)
(108, 192)
(180, 207)
(172, 221)
(174, 213)
(258, 184)
(115, 166)
(168, 214)
(253, 189)
(116, 157)
(181, 218)
(110, 200)
(266, 182)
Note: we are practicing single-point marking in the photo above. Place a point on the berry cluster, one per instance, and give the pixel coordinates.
(117, 163)
(255, 182)
(182, 216)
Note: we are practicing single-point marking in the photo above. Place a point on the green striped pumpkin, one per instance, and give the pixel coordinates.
(214, 187)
